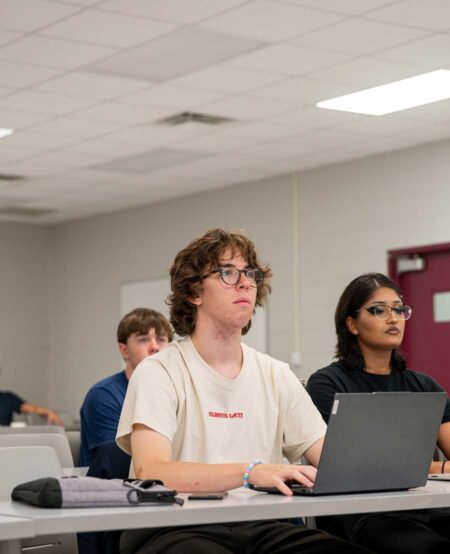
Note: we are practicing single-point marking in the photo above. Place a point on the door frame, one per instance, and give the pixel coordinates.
(410, 251)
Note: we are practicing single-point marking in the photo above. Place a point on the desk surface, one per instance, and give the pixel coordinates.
(15, 527)
(240, 505)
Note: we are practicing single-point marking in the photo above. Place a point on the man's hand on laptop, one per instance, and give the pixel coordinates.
(276, 475)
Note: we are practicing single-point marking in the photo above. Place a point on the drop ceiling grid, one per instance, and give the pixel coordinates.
(71, 117)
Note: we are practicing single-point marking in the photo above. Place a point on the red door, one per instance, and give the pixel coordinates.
(424, 275)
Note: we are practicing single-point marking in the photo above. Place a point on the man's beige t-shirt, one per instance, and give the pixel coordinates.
(263, 413)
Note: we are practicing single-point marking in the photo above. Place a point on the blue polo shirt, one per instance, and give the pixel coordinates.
(9, 403)
(100, 414)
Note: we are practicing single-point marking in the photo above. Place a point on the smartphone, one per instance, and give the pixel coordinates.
(208, 496)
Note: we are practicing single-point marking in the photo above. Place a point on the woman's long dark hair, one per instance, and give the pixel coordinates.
(354, 296)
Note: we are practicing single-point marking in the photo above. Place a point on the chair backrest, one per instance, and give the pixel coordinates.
(19, 464)
(109, 462)
(74, 438)
(59, 442)
(31, 429)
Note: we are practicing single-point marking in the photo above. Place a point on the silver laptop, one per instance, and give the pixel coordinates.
(380, 441)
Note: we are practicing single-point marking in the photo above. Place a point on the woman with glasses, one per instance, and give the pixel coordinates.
(370, 322)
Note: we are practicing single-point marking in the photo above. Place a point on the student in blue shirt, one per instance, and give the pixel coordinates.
(11, 403)
(140, 333)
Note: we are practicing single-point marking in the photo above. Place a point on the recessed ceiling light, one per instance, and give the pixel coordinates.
(5, 132)
(396, 96)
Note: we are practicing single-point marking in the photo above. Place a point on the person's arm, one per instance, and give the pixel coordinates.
(52, 417)
(314, 451)
(444, 444)
(152, 459)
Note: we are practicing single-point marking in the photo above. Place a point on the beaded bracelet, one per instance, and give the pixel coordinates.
(250, 466)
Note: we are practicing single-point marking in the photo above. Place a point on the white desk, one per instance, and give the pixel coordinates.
(11, 530)
(240, 505)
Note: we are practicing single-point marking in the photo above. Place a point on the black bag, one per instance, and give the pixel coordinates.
(85, 492)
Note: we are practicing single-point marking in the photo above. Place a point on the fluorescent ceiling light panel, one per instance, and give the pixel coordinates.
(5, 132)
(396, 96)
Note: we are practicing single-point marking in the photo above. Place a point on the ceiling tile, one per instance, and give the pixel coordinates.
(26, 16)
(108, 148)
(71, 127)
(279, 150)
(312, 117)
(178, 11)
(30, 169)
(183, 51)
(24, 75)
(43, 102)
(215, 142)
(80, 2)
(108, 29)
(259, 131)
(431, 133)
(11, 155)
(157, 135)
(123, 113)
(152, 160)
(302, 90)
(288, 59)
(38, 142)
(4, 91)
(269, 21)
(431, 52)
(358, 36)
(222, 78)
(17, 119)
(66, 159)
(7, 36)
(53, 52)
(170, 96)
(425, 15)
(350, 7)
(385, 125)
(246, 107)
(438, 112)
(368, 72)
(88, 85)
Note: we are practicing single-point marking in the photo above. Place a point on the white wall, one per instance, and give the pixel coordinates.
(351, 214)
(92, 257)
(24, 311)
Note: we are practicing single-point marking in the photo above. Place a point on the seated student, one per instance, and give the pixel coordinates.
(11, 403)
(203, 414)
(370, 321)
(140, 333)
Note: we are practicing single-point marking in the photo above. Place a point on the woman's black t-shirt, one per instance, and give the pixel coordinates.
(324, 383)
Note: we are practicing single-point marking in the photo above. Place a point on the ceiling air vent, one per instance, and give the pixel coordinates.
(11, 177)
(25, 212)
(192, 117)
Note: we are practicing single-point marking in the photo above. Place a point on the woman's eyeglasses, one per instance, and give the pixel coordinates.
(232, 275)
(383, 312)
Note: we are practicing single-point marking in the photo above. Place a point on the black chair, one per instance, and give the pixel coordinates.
(109, 462)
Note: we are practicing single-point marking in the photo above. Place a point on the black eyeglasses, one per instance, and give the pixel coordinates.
(383, 312)
(232, 275)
